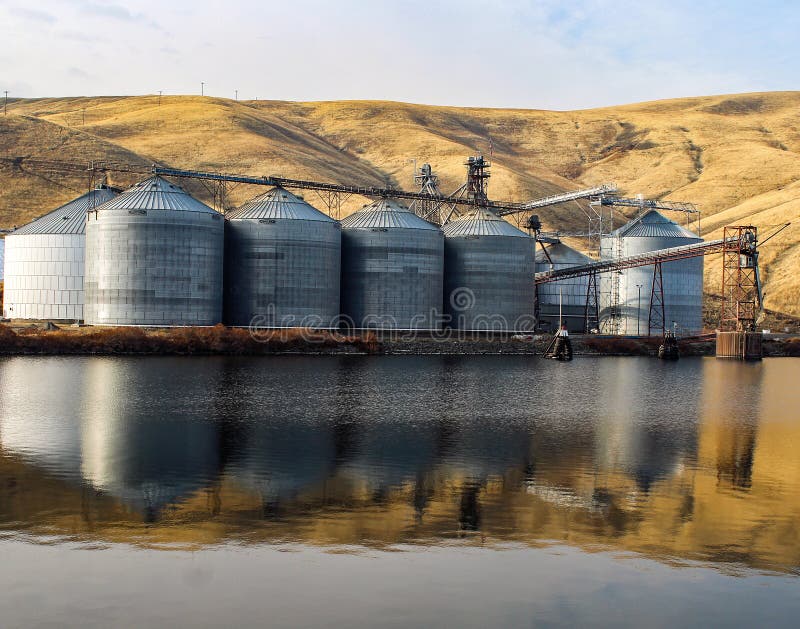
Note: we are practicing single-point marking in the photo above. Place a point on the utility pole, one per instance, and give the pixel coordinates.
(5, 104)
(159, 97)
(638, 308)
(202, 88)
(236, 92)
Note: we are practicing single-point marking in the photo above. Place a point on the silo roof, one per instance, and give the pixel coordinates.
(279, 203)
(482, 222)
(384, 214)
(156, 193)
(561, 254)
(69, 218)
(652, 224)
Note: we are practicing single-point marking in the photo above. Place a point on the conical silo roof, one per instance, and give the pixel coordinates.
(156, 193)
(653, 224)
(559, 253)
(384, 214)
(482, 222)
(279, 203)
(71, 217)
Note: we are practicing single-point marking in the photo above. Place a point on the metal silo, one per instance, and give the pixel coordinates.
(392, 267)
(567, 297)
(44, 262)
(282, 264)
(489, 274)
(154, 257)
(625, 296)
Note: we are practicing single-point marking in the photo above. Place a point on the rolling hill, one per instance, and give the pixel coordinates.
(736, 156)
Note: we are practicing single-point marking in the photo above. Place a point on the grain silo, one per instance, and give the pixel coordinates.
(626, 295)
(489, 274)
(282, 264)
(564, 299)
(154, 257)
(44, 262)
(392, 267)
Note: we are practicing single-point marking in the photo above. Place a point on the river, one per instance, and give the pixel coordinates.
(363, 491)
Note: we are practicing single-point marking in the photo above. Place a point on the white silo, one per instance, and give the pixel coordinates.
(626, 295)
(44, 262)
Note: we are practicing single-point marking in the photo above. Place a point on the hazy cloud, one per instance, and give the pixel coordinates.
(118, 12)
(33, 15)
(113, 11)
(77, 73)
(82, 36)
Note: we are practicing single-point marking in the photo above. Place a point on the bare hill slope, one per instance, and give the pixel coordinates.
(737, 157)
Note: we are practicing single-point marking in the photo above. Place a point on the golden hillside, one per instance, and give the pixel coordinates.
(737, 157)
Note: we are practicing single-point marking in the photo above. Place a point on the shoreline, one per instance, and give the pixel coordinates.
(33, 340)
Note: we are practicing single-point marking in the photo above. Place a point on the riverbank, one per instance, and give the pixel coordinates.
(216, 340)
(49, 339)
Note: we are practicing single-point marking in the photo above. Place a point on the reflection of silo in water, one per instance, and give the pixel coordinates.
(146, 440)
(389, 451)
(280, 445)
(641, 431)
(40, 408)
(282, 459)
(476, 447)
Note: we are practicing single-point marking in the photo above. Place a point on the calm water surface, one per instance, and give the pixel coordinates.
(398, 491)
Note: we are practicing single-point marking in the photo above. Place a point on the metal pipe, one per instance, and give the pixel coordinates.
(638, 308)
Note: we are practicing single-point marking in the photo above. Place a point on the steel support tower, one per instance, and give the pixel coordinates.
(740, 281)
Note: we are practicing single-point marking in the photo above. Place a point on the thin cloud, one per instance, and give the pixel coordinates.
(119, 13)
(33, 15)
(77, 73)
(84, 37)
(113, 11)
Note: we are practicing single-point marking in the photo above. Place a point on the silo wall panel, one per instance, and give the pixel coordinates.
(44, 276)
(392, 278)
(282, 273)
(159, 268)
(489, 283)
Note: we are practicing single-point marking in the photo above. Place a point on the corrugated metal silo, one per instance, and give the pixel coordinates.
(489, 274)
(625, 296)
(392, 268)
(44, 262)
(154, 256)
(282, 264)
(570, 293)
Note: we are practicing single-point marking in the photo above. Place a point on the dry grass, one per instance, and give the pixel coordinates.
(183, 341)
(737, 157)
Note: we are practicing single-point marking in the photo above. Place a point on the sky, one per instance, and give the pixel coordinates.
(544, 54)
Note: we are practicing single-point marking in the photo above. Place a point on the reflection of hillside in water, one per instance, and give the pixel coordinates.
(627, 454)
